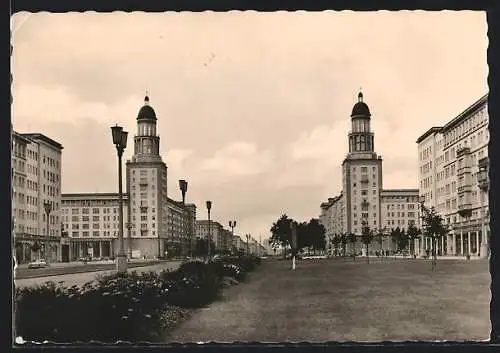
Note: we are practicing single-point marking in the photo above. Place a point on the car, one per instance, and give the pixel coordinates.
(40, 263)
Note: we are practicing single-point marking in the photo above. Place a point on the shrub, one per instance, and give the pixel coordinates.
(126, 306)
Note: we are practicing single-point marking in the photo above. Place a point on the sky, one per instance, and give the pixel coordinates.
(253, 108)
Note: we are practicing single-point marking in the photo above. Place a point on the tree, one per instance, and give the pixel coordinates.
(36, 247)
(434, 228)
(351, 238)
(395, 235)
(366, 238)
(344, 240)
(380, 234)
(413, 233)
(313, 235)
(281, 232)
(201, 247)
(402, 241)
(336, 241)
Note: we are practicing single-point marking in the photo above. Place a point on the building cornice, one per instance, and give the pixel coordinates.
(91, 195)
(431, 131)
(477, 105)
(41, 137)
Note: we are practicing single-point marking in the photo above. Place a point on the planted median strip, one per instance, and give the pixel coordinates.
(130, 307)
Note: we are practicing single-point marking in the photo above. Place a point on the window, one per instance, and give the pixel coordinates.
(95, 218)
(73, 218)
(95, 211)
(95, 233)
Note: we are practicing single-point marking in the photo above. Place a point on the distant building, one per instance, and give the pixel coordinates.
(216, 232)
(451, 158)
(36, 189)
(92, 224)
(238, 243)
(362, 201)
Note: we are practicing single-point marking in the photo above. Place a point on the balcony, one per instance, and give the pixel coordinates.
(144, 232)
(465, 209)
(364, 179)
(464, 189)
(143, 182)
(463, 151)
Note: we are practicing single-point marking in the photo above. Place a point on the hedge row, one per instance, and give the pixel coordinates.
(129, 307)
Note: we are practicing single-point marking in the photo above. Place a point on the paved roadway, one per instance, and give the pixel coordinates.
(58, 269)
(81, 278)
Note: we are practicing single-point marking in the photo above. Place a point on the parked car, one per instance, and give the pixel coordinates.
(37, 264)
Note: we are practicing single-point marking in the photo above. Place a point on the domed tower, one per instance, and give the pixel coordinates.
(147, 189)
(146, 142)
(360, 137)
(362, 174)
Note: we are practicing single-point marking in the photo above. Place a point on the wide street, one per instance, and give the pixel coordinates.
(342, 300)
(81, 278)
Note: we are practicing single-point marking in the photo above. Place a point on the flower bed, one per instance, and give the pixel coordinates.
(130, 307)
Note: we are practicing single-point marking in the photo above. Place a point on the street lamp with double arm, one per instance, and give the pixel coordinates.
(120, 142)
(183, 185)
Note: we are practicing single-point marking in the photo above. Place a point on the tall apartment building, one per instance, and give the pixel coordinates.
(450, 160)
(36, 196)
(91, 222)
(146, 176)
(363, 201)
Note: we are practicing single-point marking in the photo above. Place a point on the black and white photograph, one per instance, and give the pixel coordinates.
(245, 176)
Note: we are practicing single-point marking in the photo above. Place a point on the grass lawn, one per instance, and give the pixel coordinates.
(341, 300)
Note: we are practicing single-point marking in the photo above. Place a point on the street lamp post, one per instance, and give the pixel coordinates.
(183, 185)
(209, 208)
(248, 244)
(48, 208)
(120, 141)
(129, 236)
(232, 224)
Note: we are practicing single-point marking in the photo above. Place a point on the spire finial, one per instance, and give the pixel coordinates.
(360, 95)
(146, 99)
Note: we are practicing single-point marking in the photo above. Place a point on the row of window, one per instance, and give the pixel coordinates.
(466, 127)
(51, 162)
(32, 154)
(401, 214)
(95, 210)
(401, 206)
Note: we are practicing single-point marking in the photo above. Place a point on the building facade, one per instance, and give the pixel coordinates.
(362, 201)
(451, 159)
(214, 229)
(36, 197)
(91, 222)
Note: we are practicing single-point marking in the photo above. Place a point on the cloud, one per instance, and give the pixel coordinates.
(239, 159)
(176, 158)
(255, 117)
